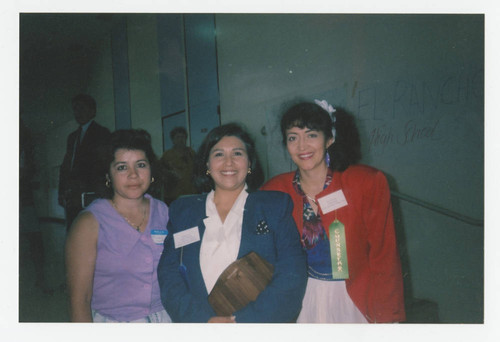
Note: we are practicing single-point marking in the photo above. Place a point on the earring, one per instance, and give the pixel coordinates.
(249, 171)
(152, 179)
(207, 173)
(108, 183)
(327, 158)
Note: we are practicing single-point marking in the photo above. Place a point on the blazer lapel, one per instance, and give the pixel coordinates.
(248, 225)
(200, 211)
(199, 214)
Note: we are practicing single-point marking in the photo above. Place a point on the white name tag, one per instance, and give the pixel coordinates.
(186, 237)
(333, 201)
(158, 236)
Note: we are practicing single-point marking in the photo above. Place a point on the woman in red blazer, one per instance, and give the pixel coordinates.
(344, 216)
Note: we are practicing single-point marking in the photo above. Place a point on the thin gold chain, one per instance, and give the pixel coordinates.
(312, 199)
(138, 227)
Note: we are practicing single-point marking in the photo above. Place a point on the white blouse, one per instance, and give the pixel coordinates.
(221, 241)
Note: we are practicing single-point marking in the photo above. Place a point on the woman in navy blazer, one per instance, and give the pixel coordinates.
(228, 168)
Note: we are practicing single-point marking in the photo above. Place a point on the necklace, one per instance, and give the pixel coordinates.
(312, 199)
(138, 227)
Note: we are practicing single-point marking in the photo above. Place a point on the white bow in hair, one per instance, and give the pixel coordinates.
(326, 106)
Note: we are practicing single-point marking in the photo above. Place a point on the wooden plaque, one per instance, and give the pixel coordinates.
(240, 283)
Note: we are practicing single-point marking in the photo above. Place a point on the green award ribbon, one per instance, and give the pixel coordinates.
(338, 250)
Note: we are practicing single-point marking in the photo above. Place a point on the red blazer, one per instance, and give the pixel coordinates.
(375, 283)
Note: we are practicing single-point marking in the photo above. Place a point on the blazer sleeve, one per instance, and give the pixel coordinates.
(385, 292)
(177, 298)
(281, 301)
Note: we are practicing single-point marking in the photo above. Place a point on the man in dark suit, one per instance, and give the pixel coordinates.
(82, 170)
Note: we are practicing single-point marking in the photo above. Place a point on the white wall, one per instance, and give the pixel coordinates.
(101, 84)
(415, 85)
(144, 79)
(51, 145)
(145, 104)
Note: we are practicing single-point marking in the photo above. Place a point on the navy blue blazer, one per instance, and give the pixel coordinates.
(278, 243)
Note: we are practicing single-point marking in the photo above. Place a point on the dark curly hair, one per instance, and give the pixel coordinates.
(129, 139)
(86, 99)
(346, 149)
(205, 183)
(177, 130)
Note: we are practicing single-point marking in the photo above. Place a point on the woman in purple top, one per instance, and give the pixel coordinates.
(114, 245)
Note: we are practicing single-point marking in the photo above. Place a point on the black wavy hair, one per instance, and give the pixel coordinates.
(86, 99)
(205, 183)
(177, 130)
(346, 149)
(129, 139)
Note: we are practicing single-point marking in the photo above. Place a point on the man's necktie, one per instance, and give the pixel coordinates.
(77, 145)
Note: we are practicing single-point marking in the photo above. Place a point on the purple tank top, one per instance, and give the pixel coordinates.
(125, 279)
